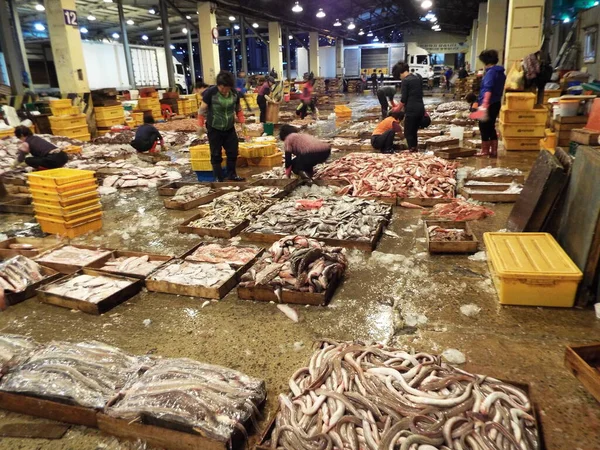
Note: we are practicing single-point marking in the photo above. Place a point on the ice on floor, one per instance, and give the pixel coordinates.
(470, 310)
(453, 356)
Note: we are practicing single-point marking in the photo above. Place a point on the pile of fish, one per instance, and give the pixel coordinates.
(190, 125)
(412, 175)
(265, 191)
(364, 129)
(444, 234)
(139, 265)
(86, 374)
(275, 173)
(75, 256)
(189, 193)
(297, 263)
(183, 140)
(331, 218)
(14, 348)
(458, 210)
(349, 143)
(140, 177)
(19, 272)
(230, 210)
(491, 172)
(215, 254)
(192, 273)
(123, 137)
(356, 396)
(453, 106)
(213, 401)
(87, 288)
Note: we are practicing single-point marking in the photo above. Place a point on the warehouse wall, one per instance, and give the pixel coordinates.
(438, 42)
(588, 20)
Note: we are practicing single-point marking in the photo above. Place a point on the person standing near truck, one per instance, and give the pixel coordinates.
(374, 82)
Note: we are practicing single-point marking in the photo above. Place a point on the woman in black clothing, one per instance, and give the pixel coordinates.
(411, 96)
(44, 154)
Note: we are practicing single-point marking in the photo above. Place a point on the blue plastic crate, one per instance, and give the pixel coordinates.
(208, 175)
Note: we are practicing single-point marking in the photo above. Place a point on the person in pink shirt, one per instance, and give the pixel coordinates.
(306, 99)
(302, 152)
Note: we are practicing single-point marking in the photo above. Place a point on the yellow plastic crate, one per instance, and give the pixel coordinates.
(138, 117)
(200, 151)
(109, 112)
(64, 210)
(523, 101)
(62, 103)
(203, 164)
(105, 123)
(71, 132)
(68, 111)
(73, 229)
(7, 133)
(531, 269)
(274, 160)
(44, 193)
(68, 121)
(526, 144)
(342, 109)
(59, 177)
(523, 130)
(69, 217)
(65, 202)
(536, 115)
(83, 137)
(148, 103)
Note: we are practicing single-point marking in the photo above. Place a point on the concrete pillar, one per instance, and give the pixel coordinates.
(211, 64)
(288, 54)
(19, 36)
(481, 27)
(275, 55)
(472, 56)
(191, 56)
(164, 18)
(495, 32)
(243, 47)
(313, 57)
(524, 30)
(339, 57)
(10, 49)
(125, 41)
(67, 50)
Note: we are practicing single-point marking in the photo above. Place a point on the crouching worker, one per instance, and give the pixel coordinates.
(147, 137)
(388, 128)
(308, 151)
(44, 154)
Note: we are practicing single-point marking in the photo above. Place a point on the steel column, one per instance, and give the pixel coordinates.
(126, 48)
(164, 16)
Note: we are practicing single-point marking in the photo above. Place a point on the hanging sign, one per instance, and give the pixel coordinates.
(70, 17)
(215, 35)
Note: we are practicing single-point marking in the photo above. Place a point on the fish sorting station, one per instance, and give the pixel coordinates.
(299, 225)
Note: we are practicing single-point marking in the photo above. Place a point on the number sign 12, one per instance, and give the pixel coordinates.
(70, 17)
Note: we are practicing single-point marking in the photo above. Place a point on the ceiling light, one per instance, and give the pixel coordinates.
(152, 10)
(188, 17)
(83, 30)
(370, 33)
(236, 27)
(172, 47)
(433, 19)
(159, 28)
(108, 1)
(231, 18)
(427, 4)
(297, 8)
(184, 30)
(91, 18)
(361, 32)
(39, 27)
(115, 35)
(130, 22)
(40, 7)
(254, 25)
(375, 39)
(290, 37)
(144, 37)
(429, 15)
(321, 13)
(337, 23)
(351, 26)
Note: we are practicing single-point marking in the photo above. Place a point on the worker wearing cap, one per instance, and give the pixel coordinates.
(218, 113)
(263, 97)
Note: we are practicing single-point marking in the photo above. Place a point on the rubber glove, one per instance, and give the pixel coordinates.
(202, 121)
(288, 172)
(482, 112)
(240, 117)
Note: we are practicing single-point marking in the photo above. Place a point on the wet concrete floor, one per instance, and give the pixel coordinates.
(399, 295)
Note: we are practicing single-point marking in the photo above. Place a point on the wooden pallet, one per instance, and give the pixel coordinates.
(469, 246)
(584, 362)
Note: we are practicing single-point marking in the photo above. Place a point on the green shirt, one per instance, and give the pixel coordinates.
(221, 110)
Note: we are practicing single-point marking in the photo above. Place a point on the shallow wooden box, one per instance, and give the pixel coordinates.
(424, 201)
(68, 269)
(170, 204)
(259, 252)
(225, 233)
(170, 189)
(92, 308)
(503, 179)
(16, 205)
(40, 244)
(98, 264)
(50, 275)
(490, 196)
(584, 362)
(450, 247)
(287, 185)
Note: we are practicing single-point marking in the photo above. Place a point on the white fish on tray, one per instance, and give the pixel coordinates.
(139, 265)
(194, 274)
(19, 272)
(88, 288)
(72, 255)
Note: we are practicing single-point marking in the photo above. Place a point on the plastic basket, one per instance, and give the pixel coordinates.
(203, 164)
(520, 100)
(58, 177)
(523, 130)
(200, 151)
(72, 216)
(109, 112)
(106, 123)
(82, 137)
(72, 230)
(67, 121)
(71, 132)
(58, 210)
(62, 103)
(65, 201)
(69, 111)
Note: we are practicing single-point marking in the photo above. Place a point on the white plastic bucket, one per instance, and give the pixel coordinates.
(458, 132)
(569, 108)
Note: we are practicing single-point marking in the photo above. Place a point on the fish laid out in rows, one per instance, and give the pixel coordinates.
(264, 191)
(215, 253)
(332, 218)
(19, 272)
(214, 401)
(88, 288)
(297, 263)
(87, 374)
(413, 175)
(191, 273)
(491, 172)
(458, 210)
(355, 396)
(139, 265)
(230, 210)
(276, 173)
(453, 106)
(14, 348)
(187, 194)
(140, 177)
(72, 255)
(443, 234)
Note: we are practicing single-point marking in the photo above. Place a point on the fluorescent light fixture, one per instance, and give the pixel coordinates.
(159, 28)
(130, 22)
(351, 26)
(375, 39)
(236, 27)
(429, 15)
(337, 23)
(184, 30)
(232, 18)
(39, 27)
(40, 7)
(427, 4)
(321, 13)
(370, 34)
(361, 32)
(144, 37)
(91, 18)
(254, 25)
(83, 30)
(297, 8)
(172, 47)
(188, 17)
(152, 10)
(115, 35)
(566, 20)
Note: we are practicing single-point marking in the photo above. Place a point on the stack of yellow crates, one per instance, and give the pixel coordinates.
(150, 103)
(73, 126)
(63, 107)
(108, 116)
(521, 124)
(7, 132)
(200, 158)
(251, 99)
(66, 201)
(193, 101)
(342, 112)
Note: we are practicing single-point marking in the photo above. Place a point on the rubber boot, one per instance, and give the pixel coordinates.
(218, 171)
(231, 173)
(485, 148)
(494, 149)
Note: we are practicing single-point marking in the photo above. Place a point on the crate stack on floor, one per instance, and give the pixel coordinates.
(200, 160)
(66, 201)
(108, 110)
(171, 99)
(187, 104)
(148, 103)
(522, 125)
(261, 152)
(67, 120)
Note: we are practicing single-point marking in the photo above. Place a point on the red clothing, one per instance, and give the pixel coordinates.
(306, 95)
(302, 144)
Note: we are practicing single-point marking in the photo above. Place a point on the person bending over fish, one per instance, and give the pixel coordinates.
(147, 137)
(388, 128)
(44, 154)
(308, 151)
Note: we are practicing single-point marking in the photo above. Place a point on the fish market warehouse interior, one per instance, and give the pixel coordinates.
(299, 225)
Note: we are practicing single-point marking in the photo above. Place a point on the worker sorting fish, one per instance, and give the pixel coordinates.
(87, 288)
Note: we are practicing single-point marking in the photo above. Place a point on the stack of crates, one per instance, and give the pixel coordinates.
(150, 103)
(342, 112)
(200, 158)
(73, 126)
(251, 99)
(7, 132)
(66, 201)
(108, 117)
(521, 124)
(63, 107)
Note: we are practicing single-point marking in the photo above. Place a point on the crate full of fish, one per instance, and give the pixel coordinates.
(449, 237)
(375, 397)
(234, 255)
(90, 291)
(130, 264)
(68, 259)
(20, 277)
(295, 269)
(191, 196)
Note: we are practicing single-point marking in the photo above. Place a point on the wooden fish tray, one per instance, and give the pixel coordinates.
(171, 189)
(98, 264)
(48, 409)
(495, 187)
(226, 233)
(489, 196)
(217, 292)
(469, 246)
(447, 143)
(424, 201)
(584, 362)
(503, 179)
(16, 205)
(68, 269)
(455, 153)
(91, 308)
(50, 275)
(259, 252)
(170, 204)
(267, 294)
(287, 185)
(40, 245)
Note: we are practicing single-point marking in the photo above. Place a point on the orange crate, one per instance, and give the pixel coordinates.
(71, 232)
